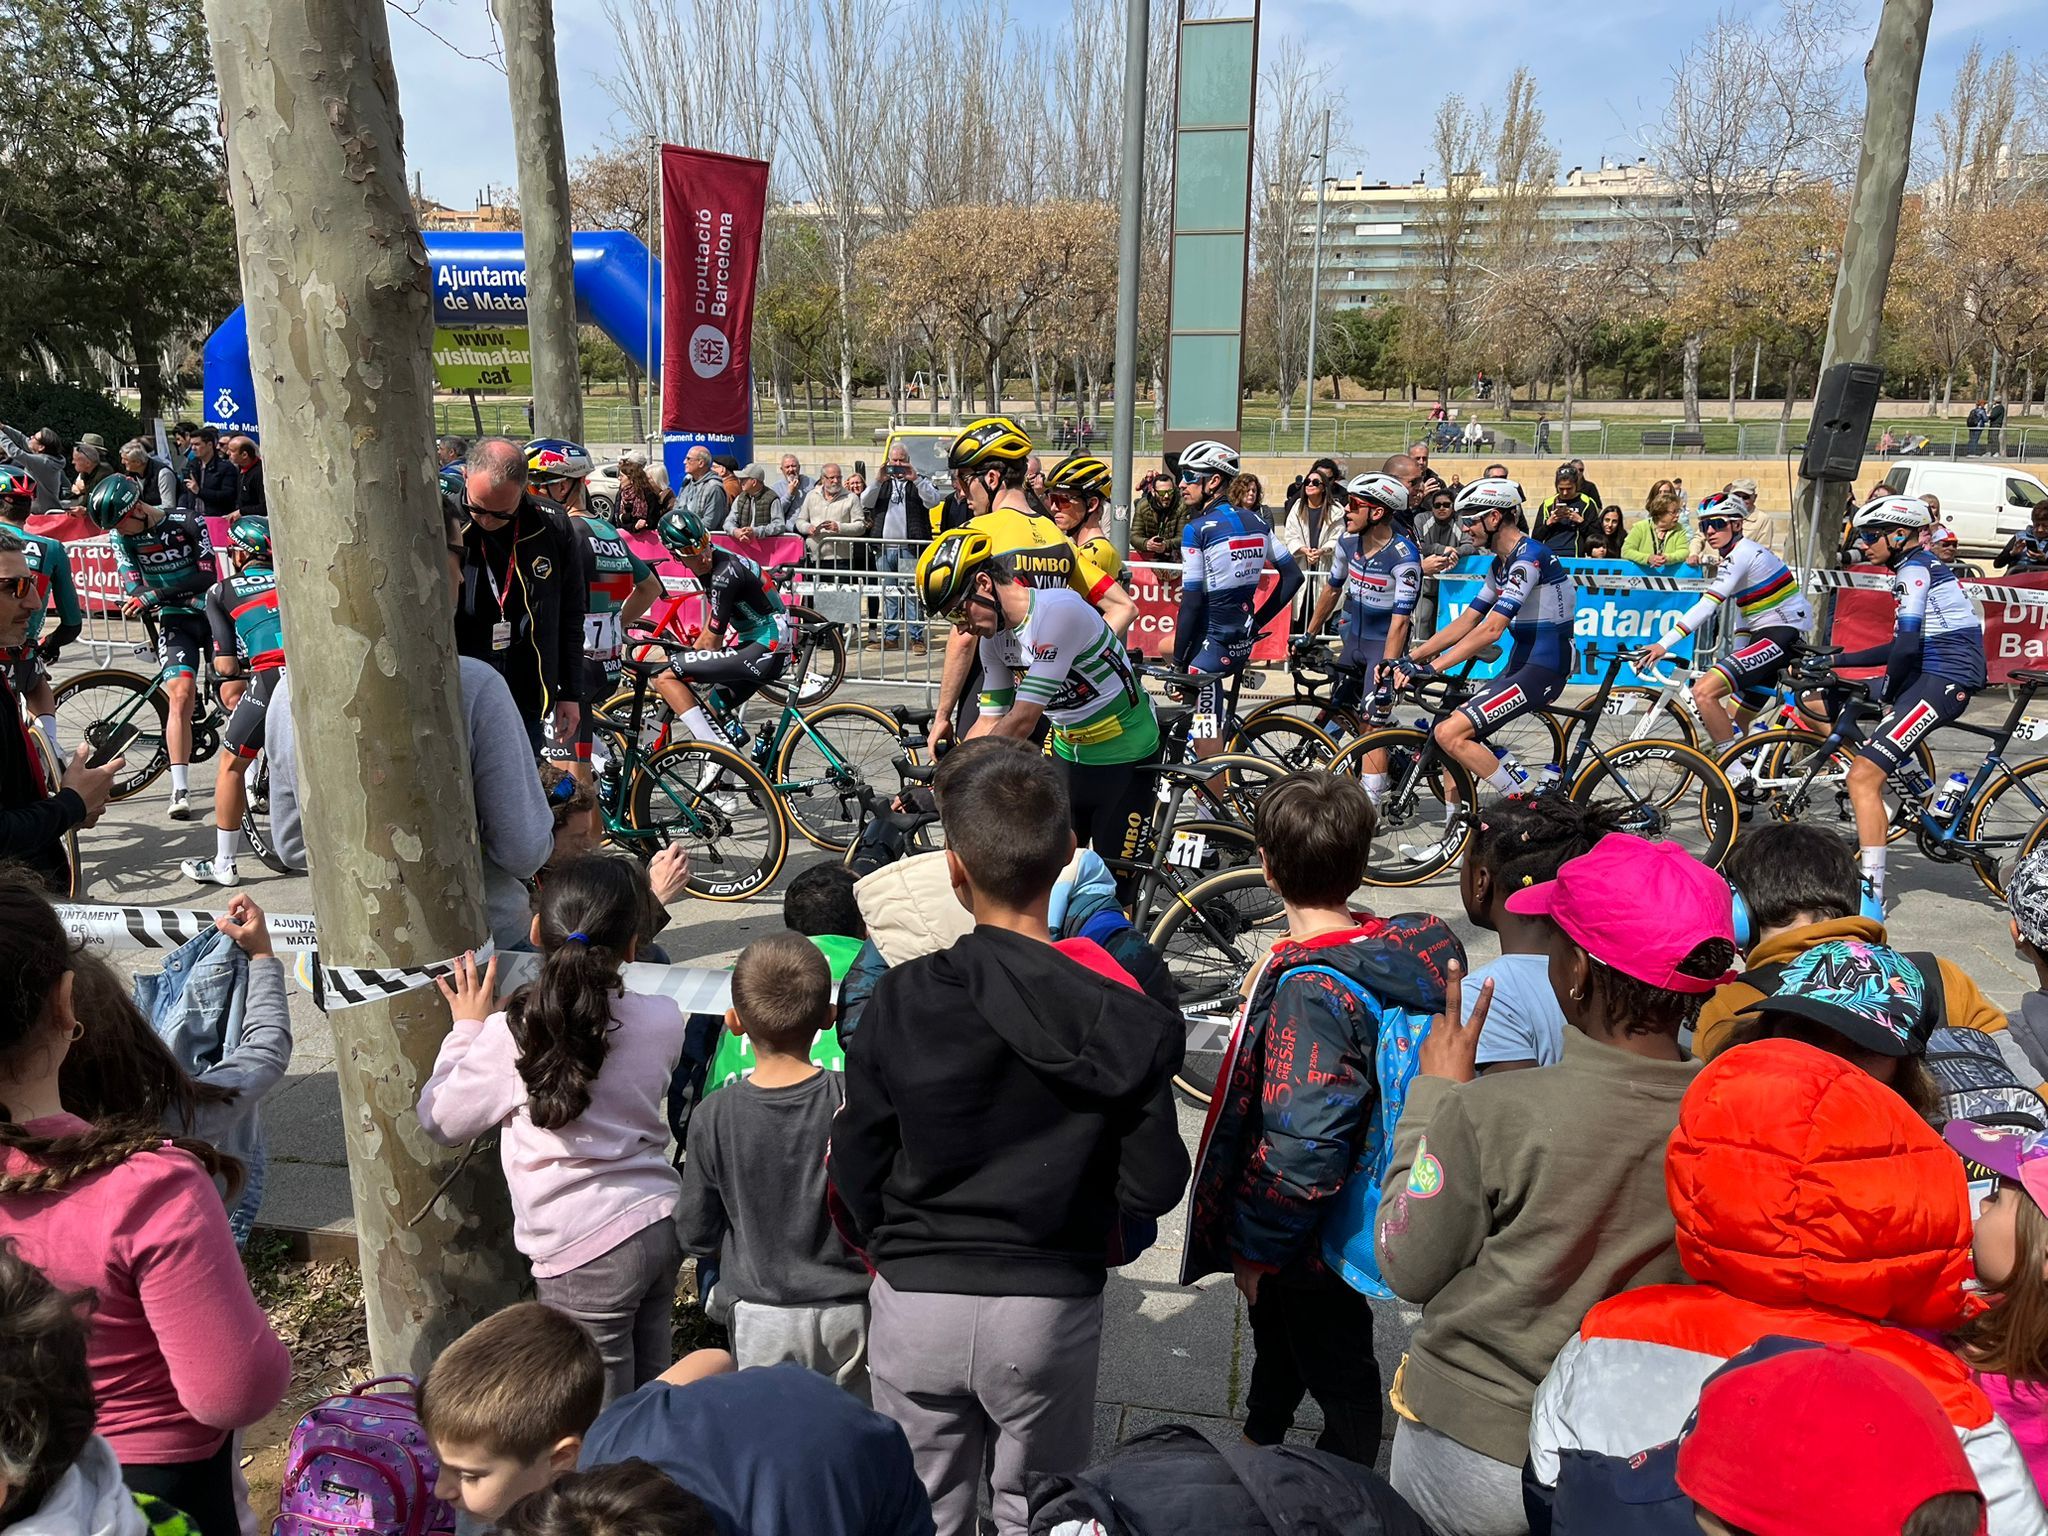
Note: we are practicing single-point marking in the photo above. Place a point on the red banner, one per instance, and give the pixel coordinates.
(712, 208)
(2015, 634)
(1156, 589)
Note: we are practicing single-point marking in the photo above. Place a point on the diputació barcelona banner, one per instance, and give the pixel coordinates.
(713, 207)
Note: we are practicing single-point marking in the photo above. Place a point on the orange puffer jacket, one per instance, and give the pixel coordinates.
(1811, 1202)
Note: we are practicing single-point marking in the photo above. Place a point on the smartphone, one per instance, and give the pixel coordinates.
(860, 467)
(116, 743)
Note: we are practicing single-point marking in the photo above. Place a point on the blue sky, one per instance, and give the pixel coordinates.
(1600, 65)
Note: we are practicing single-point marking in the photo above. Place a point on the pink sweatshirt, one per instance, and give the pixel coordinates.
(579, 1190)
(180, 1353)
(2024, 1407)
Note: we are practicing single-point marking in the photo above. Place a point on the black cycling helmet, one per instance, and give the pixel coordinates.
(253, 534)
(682, 532)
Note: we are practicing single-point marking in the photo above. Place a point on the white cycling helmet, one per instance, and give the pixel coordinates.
(1907, 513)
(1381, 490)
(1495, 495)
(1208, 457)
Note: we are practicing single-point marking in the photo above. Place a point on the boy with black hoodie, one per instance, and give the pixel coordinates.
(1007, 1101)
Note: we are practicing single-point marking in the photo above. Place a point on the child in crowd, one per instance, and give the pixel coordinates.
(1329, 1036)
(180, 1355)
(514, 1405)
(2006, 1345)
(2026, 898)
(820, 905)
(629, 1498)
(1515, 1202)
(1006, 1102)
(1521, 841)
(574, 1069)
(754, 1178)
(122, 1069)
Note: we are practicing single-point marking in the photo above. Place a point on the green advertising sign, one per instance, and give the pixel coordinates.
(483, 357)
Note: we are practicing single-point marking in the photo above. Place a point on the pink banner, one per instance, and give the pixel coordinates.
(1157, 590)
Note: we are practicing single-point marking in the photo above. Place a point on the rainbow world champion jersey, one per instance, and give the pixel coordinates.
(1765, 592)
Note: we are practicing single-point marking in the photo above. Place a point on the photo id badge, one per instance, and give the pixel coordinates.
(501, 636)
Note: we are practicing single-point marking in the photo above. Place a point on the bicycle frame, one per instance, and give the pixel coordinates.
(612, 787)
(1945, 832)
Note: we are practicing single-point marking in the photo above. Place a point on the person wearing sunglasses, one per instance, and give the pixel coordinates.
(1077, 492)
(1761, 597)
(1934, 665)
(28, 666)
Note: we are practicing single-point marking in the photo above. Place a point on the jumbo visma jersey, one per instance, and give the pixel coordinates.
(242, 613)
(1038, 554)
(1066, 659)
(169, 566)
(1532, 589)
(612, 571)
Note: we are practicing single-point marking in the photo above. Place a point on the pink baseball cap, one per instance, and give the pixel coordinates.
(1638, 906)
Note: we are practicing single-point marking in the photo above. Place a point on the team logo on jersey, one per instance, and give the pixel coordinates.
(543, 568)
(1045, 653)
(1372, 581)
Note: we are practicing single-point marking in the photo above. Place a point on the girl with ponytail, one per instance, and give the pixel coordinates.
(179, 1355)
(574, 1068)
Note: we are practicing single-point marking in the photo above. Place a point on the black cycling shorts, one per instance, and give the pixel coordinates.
(1511, 696)
(1111, 805)
(1222, 658)
(25, 669)
(739, 670)
(1753, 666)
(183, 642)
(1927, 703)
(245, 725)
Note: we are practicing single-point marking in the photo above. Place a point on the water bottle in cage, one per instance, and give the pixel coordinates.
(1953, 788)
(1912, 783)
(1515, 770)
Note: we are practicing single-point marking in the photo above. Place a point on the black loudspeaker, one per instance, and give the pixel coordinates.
(1841, 422)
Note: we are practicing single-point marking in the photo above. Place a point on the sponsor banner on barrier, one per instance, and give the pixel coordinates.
(1156, 589)
(2014, 634)
(777, 549)
(1619, 605)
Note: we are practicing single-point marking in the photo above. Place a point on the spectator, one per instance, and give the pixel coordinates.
(38, 454)
(1473, 438)
(897, 509)
(2027, 550)
(1976, 420)
(514, 1405)
(1313, 523)
(1994, 426)
(211, 484)
(754, 1199)
(702, 491)
(640, 502)
(756, 512)
(2006, 1345)
(1248, 493)
(1661, 488)
(1608, 537)
(152, 474)
(1779, 1138)
(573, 1067)
(1946, 547)
(1034, 484)
(1504, 1225)
(1659, 541)
(523, 596)
(35, 815)
(1591, 490)
(829, 508)
(2026, 901)
(990, 1225)
(1563, 518)
(1285, 1203)
(89, 467)
(1887, 443)
(1419, 452)
(795, 486)
(1413, 473)
(728, 469)
(180, 1355)
(451, 463)
(515, 832)
(1436, 538)
(1156, 518)
(249, 497)
(1543, 433)
(629, 1498)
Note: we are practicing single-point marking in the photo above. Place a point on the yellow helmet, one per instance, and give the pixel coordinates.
(1082, 473)
(948, 565)
(990, 440)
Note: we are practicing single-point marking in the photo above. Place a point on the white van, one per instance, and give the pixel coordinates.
(1986, 504)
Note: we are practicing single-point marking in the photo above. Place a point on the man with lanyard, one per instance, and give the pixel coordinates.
(1770, 614)
(248, 642)
(736, 601)
(523, 593)
(1045, 652)
(1224, 551)
(1933, 664)
(1077, 494)
(1377, 573)
(28, 665)
(166, 559)
(1526, 595)
(618, 584)
(987, 462)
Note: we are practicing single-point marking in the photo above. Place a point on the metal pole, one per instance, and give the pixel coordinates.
(1315, 281)
(651, 381)
(1130, 229)
(1756, 366)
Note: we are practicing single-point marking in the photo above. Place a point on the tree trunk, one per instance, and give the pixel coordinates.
(1785, 406)
(1731, 382)
(1567, 411)
(529, 28)
(340, 315)
(149, 372)
(1695, 344)
(1948, 389)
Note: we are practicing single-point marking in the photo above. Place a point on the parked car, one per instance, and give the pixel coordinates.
(1986, 504)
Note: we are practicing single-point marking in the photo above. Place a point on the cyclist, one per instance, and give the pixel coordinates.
(621, 585)
(1377, 575)
(1527, 596)
(28, 666)
(167, 559)
(1224, 551)
(987, 462)
(1770, 614)
(737, 601)
(1934, 663)
(1077, 493)
(248, 637)
(1046, 653)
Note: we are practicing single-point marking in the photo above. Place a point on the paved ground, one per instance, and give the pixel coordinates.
(1170, 1352)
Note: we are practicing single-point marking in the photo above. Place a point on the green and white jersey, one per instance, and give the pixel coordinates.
(1065, 658)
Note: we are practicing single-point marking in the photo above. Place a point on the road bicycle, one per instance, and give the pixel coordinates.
(1665, 709)
(1277, 736)
(120, 713)
(678, 615)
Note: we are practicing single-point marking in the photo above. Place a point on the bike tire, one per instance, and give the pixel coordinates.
(256, 815)
(1992, 819)
(1640, 714)
(102, 701)
(721, 807)
(1333, 722)
(1778, 761)
(1414, 802)
(826, 671)
(1665, 791)
(1212, 937)
(1289, 740)
(1245, 779)
(822, 803)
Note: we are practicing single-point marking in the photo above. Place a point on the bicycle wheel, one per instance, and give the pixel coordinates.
(1337, 724)
(1667, 792)
(1288, 740)
(1788, 775)
(718, 805)
(95, 709)
(824, 762)
(1424, 820)
(1213, 936)
(826, 671)
(1535, 739)
(2004, 816)
(1243, 779)
(1641, 714)
(256, 815)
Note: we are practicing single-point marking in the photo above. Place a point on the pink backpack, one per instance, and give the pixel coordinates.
(359, 1463)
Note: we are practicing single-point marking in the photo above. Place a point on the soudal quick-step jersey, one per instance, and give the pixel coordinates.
(1224, 551)
(1377, 587)
(1533, 590)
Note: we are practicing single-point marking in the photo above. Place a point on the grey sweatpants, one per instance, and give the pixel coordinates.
(831, 1340)
(1455, 1489)
(958, 1371)
(626, 1298)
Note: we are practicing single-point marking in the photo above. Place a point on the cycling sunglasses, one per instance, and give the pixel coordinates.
(1716, 524)
(17, 586)
(1193, 476)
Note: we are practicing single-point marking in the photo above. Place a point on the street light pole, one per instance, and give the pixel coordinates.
(1315, 281)
(1130, 229)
